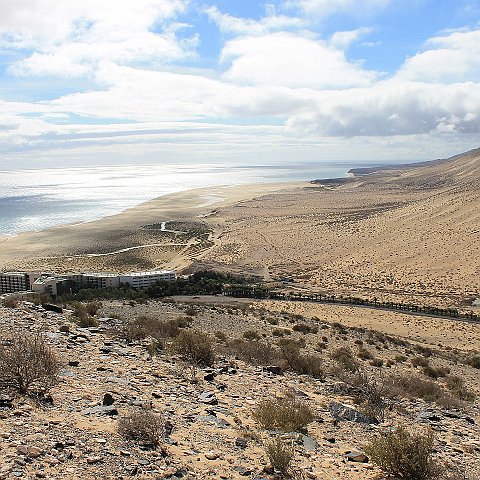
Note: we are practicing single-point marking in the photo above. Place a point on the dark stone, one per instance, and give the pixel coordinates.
(168, 427)
(73, 363)
(243, 471)
(101, 410)
(341, 411)
(428, 417)
(6, 402)
(108, 400)
(50, 307)
(241, 442)
(105, 350)
(209, 377)
(274, 369)
(64, 328)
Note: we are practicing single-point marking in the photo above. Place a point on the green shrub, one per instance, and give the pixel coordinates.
(404, 455)
(195, 347)
(288, 414)
(280, 455)
(143, 427)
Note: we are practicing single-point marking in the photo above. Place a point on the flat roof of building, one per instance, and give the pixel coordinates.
(153, 272)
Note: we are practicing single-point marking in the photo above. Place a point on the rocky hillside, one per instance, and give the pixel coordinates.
(351, 386)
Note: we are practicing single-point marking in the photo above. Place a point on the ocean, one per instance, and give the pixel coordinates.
(32, 200)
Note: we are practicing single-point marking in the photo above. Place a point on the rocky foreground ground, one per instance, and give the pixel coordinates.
(211, 432)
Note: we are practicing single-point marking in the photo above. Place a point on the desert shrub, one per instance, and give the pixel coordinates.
(321, 346)
(191, 311)
(221, 336)
(474, 361)
(144, 427)
(92, 308)
(358, 342)
(272, 320)
(144, 326)
(194, 347)
(400, 358)
(416, 387)
(376, 362)
(304, 364)
(288, 414)
(371, 392)
(425, 351)
(280, 455)
(86, 322)
(404, 455)
(278, 332)
(435, 373)
(457, 387)
(343, 356)
(419, 362)
(27, 364)
(254, 352)
(11, 301)
(304, 328)
(364, 354)
(251, 335)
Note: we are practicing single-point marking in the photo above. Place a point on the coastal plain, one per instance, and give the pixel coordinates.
(408, 234)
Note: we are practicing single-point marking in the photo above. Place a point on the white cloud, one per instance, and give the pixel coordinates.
(289, 60)
(324, 8)
(451, 58)
(342, 40)
(68, 38)
(248, 26)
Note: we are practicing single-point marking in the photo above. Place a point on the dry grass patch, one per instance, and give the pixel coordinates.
(144, 427)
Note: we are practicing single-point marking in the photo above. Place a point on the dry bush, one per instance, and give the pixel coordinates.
(195, 347)
(343, 356)
(27, 364)
(288, 414)
(304, 364)
(457, 387)
(144, 326)
(191, 311)
(435, 372)
(251, 335)
(404, 455)
(474, 361)
(419, 362)
(280, 455)
(144, 427)
(11, 301)
(364, 354)
(304, 328)
(254, 352)
(416, 387)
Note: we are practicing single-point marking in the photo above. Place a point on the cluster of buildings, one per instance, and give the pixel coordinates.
(11, 282)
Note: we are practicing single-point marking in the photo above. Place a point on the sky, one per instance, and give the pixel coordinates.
(100, 82)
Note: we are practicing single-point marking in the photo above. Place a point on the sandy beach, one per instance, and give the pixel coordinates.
(408, 234)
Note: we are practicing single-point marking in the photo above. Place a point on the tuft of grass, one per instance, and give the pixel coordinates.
(280, 455)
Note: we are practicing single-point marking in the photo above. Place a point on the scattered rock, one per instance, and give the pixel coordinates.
(274, 369)
(101, 410)
(340, 411)
(208, 397)
(358, 457)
